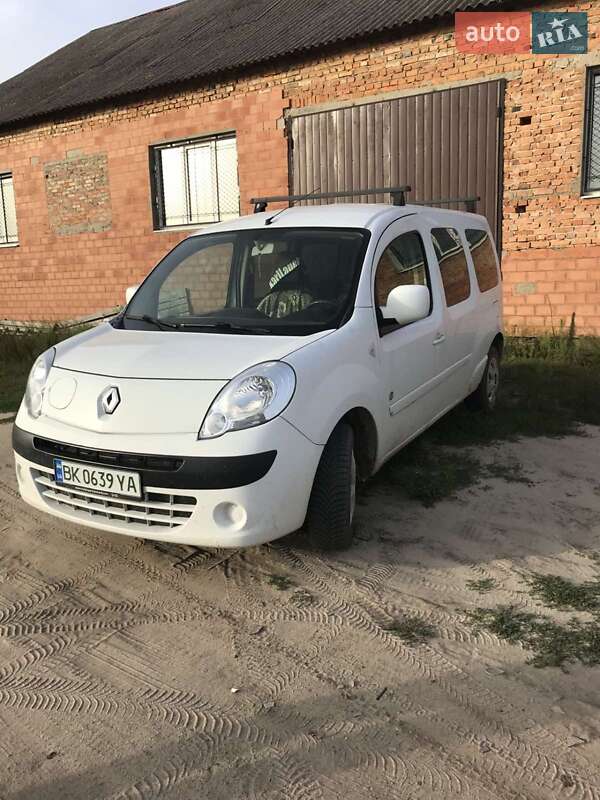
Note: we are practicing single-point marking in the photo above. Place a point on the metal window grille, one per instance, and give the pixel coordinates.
(591, 149)
(195, 182)
(8, 212)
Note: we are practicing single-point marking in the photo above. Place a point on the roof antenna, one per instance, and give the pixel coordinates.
(269, 221)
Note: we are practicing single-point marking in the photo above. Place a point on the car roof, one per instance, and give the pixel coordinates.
(372, 216)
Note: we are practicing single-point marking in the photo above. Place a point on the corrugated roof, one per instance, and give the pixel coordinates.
(199, 38)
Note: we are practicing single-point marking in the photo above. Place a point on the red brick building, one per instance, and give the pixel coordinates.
(113, 147)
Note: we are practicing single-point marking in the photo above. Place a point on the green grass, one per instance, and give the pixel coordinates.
(482, 585)
(537, 398)
(552, 644)
(411, 630)
(511, 472)
(17, 354)
(550, 386)
(280, 582)
(428, 474)
(563, 594)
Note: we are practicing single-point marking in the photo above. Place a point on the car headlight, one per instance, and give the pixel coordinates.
(253, 397)
(34, 394)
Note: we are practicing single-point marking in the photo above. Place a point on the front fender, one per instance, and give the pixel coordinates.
(335, 375)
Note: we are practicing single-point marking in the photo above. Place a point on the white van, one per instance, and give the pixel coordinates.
(261, 369)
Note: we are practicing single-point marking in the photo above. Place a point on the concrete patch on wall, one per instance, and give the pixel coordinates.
(525, 288)
(78, 194)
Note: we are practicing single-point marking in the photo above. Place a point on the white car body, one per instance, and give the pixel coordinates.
(254, 484)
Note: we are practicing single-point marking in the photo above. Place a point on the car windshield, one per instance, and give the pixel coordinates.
(291, 281)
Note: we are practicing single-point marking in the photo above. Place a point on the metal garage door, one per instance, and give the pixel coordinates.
(444, 144)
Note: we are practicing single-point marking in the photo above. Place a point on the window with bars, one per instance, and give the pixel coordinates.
(8, 211)
(195, 182)
(591, 148)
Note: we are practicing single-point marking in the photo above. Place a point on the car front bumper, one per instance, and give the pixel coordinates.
(235, 499)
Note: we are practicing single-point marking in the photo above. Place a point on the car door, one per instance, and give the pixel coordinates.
(456, 345)
(408, 354)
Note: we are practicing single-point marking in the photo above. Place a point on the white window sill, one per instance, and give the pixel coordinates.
(9, 244)
(183, 228)
(590, 196)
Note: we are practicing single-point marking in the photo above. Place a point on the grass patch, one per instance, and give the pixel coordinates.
(482, 585)
(428, 474)
(511, 473)
(552, 644)
(17, 354)
(411, 630)
(537, 398)
(563, 594)
(280, 582)
(550, 386)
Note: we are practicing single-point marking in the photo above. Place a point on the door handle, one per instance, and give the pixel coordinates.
(439, 339)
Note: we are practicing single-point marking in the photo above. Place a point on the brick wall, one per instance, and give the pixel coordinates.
(551, 252)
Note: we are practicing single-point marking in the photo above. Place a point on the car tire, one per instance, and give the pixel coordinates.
(333, 497)
(485, 397)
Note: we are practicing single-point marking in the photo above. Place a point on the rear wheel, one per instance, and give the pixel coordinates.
(333, 497)
(485, 397)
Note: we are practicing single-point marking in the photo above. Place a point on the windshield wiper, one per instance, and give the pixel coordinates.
(163, 326)
(224, 326)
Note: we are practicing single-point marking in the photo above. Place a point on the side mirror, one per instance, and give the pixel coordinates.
(408, 303)
(129, 292)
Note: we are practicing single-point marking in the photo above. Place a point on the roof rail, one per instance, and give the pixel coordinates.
(398, 194)
(470, 202)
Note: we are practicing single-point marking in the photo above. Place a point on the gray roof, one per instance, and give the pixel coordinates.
(199, 39)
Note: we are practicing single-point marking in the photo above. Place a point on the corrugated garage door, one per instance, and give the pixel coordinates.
(443, 144)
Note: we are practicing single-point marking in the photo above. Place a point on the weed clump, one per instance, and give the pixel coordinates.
(411, 630)
(552, 644)
(563, 594)
(429, 475)
(280, 582)
(482, 585)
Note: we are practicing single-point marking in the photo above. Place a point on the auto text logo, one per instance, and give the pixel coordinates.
(521, 32)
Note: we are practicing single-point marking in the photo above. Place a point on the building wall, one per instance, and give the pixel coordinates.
(70, 264)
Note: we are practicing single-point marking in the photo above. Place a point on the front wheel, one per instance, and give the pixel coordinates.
(485, 397)
(333, 497)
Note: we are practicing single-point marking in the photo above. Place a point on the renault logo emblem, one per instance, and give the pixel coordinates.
(110, 400)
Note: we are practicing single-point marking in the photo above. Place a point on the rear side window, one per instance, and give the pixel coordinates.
(402, 263)
(453, 264)
(484, 259)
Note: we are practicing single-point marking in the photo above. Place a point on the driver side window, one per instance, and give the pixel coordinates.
(402, 263)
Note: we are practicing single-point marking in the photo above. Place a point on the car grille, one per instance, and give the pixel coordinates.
(154, 509)
(108, 457)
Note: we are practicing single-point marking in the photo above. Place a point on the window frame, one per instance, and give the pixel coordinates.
(465, 250)
(157, 192)
(469, 252)
(588, 121)
(7, 174)
(384, 327)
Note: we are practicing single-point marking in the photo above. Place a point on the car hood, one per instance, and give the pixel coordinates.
(171, 355)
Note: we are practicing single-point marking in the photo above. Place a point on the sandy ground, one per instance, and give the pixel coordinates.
(117, 662)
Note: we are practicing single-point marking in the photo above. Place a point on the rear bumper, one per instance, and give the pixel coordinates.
(214, 501)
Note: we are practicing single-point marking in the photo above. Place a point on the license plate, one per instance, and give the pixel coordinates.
(100, 479)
